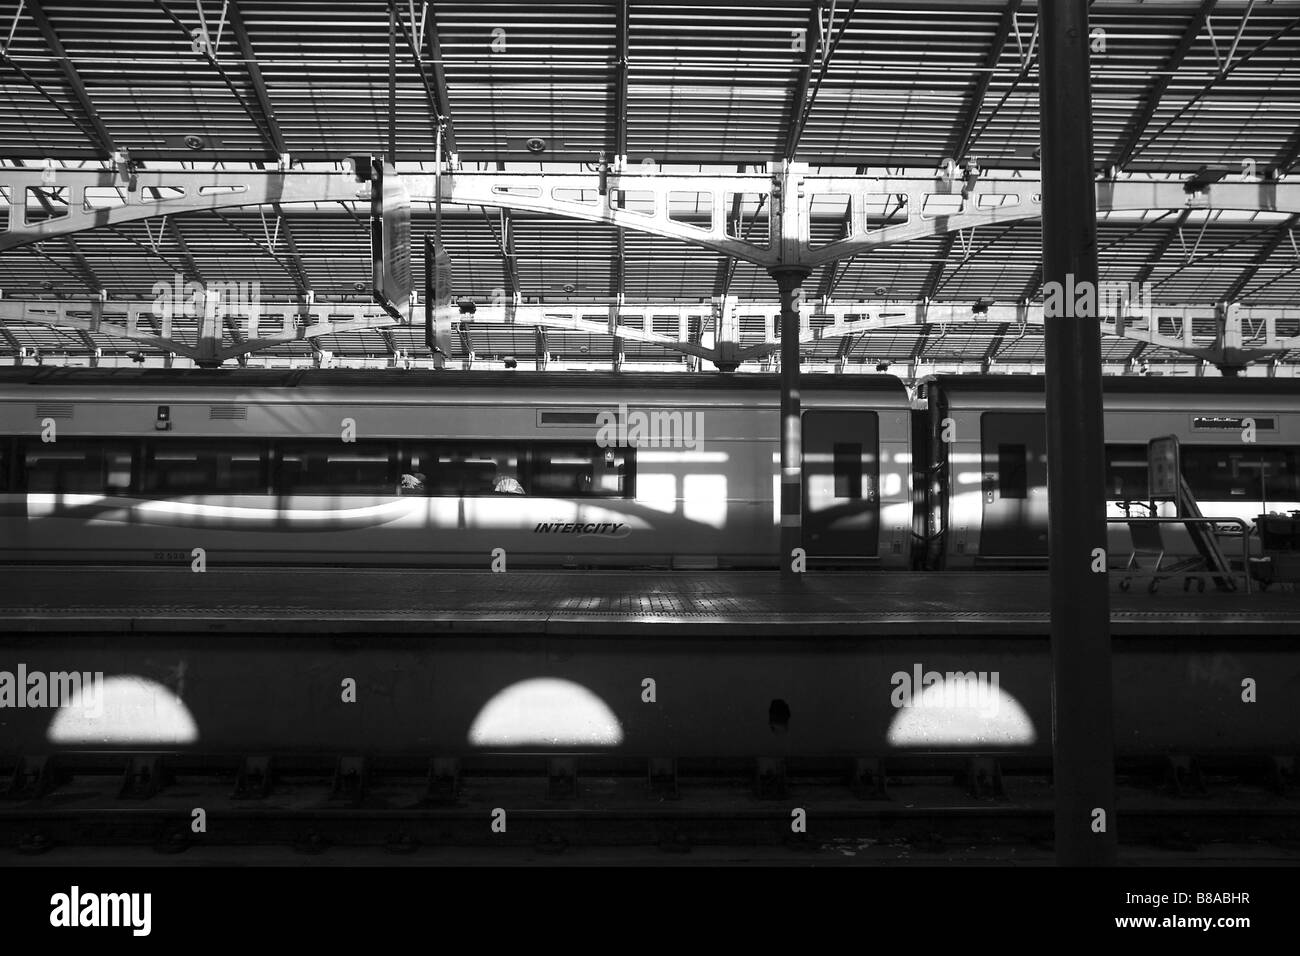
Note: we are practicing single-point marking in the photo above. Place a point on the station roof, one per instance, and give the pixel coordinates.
(708, 86)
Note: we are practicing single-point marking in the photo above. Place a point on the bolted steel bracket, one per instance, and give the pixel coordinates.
(770, 779)
(142, 777)
(982, 777)
(401, 842)
(552, 842)
(35, 842)
(673, 839)
(173, 838)
(663, 778)
(1283, 773)
(1183, 775)
(868, 779)
(253, 781)
(443, 786)
(33, 777)
(350, 778)
(312, 843)
(561, 778)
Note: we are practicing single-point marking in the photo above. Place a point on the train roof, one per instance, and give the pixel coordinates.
(1118, 385)
(541, 382)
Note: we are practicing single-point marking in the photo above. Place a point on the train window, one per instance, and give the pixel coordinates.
(579, 471)
(78, 466)
(334, 468)
(847, 457)
(6, 456)
(198, 468)
(568, 418)
(1233, 423)
(1013, 471)
(1227, 472)
(466, 469)
(551, 469)
(1126, 472)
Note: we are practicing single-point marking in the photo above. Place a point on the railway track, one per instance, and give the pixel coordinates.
(933, 814)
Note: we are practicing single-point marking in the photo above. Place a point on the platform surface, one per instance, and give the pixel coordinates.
(585, 602)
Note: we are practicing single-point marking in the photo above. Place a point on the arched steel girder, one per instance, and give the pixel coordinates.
(203, 334)
(913, 206)
(1249, 332)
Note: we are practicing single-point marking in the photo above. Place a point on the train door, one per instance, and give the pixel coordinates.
(1014, 484)
(841, 473)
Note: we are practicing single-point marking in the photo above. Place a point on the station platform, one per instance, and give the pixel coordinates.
(679, 603)
(698, 665)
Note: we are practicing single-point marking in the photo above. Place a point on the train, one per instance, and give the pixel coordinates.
(985, 498)
(463, 469)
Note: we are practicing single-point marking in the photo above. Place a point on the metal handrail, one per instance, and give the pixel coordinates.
(1240, 522)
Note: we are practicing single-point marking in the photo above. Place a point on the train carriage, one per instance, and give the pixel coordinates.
(417, 468)
(986, 438)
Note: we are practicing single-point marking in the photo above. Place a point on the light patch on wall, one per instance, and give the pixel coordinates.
(546, 712)
(674, 457)
(898, 515)
(705, 499)
(657, 491)
(945, 716)
(135, 711)
(966, 506)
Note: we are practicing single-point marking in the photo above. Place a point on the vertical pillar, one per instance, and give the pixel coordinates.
(616, 340)
(789, 231)
(1230, 341)
(789, 280)
(430, 294)
(392, 81)
(209, 338)
(726, 338)
(1082, 722)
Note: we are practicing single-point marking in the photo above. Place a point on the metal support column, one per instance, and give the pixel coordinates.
(1082, 735)
(789, 280)
(392, 81)
(208, 340)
